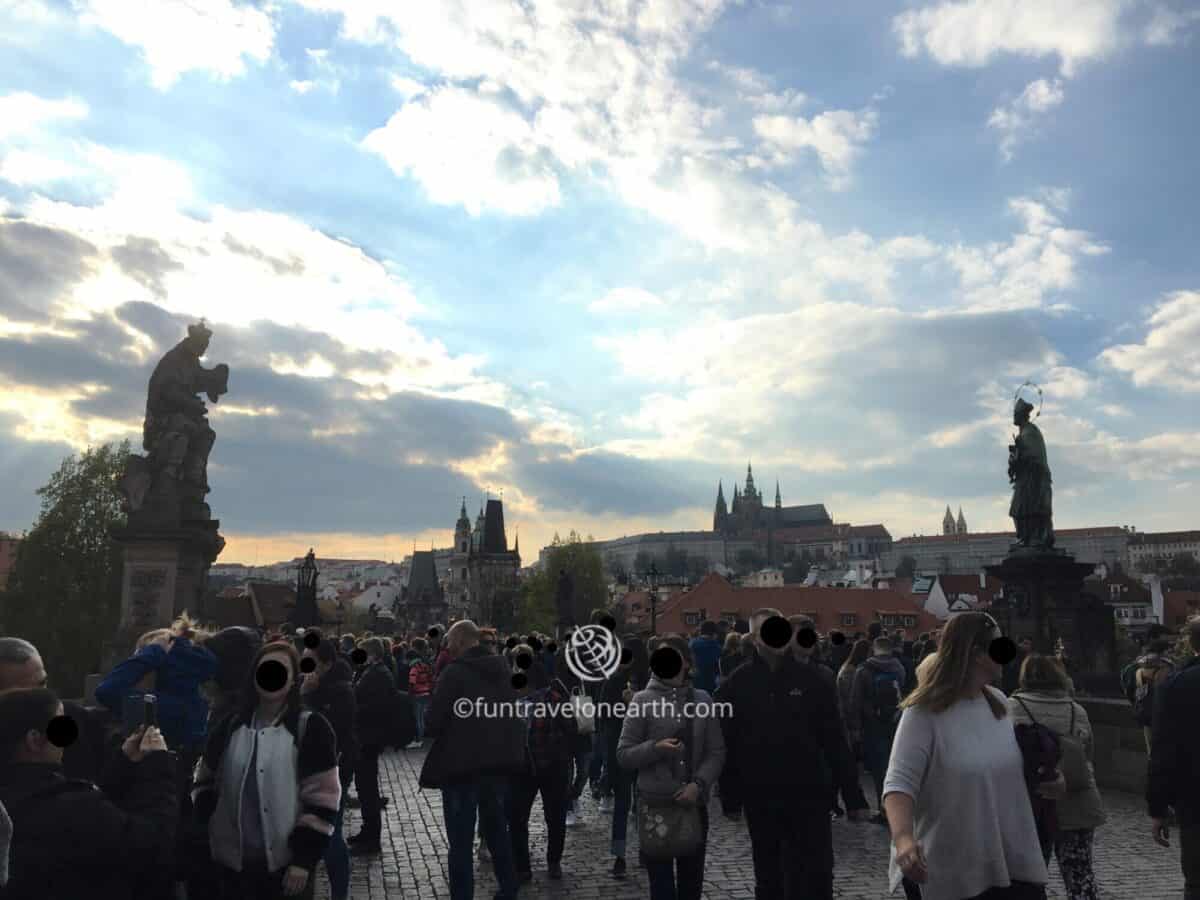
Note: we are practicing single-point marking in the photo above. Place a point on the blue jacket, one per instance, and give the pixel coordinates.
(182, 712)
(706, 655)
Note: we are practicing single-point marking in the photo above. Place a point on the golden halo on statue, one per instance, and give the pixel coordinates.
(1040, 396)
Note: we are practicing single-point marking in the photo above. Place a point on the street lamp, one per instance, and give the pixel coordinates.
(652, 574)
(306, 592)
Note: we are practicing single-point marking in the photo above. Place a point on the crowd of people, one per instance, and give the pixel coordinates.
(220, 764)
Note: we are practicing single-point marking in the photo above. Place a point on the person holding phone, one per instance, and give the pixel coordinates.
(675, 745)
(267, 785)
(69, 839)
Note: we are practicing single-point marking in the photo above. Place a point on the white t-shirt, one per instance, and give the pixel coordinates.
(972, 813)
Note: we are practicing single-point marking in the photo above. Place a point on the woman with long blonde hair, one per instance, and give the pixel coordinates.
(957, 804)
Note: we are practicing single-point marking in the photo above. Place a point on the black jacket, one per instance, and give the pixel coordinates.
(1174, 774)
(374, 690)
(334, 699)
(72, 840)
(784, 738)
(97, 745)
(467, 746)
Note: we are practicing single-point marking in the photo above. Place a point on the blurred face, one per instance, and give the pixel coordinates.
(322, 668)
(985, 666)
(274, 677)
(23, 676)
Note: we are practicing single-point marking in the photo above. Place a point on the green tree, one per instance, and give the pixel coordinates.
(749, 560)
(64, 593)
(538, 601)
(907, 567)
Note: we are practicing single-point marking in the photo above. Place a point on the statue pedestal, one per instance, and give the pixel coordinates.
(165, 571)
(1044, 600)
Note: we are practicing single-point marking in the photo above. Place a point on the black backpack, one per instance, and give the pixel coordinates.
(885, 695)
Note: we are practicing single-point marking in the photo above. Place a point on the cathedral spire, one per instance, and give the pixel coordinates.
(778, 497)
(749, 481)
(948, 524)
(721, 512)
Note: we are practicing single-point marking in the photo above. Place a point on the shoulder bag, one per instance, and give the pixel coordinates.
(668, 829)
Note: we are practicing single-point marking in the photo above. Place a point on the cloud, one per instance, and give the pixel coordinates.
(38, 267)
(1017, 119)
(22, 113)
(1168, 26)
(302, 87)
(1169, 354)
(181, 36)
(469, 150)
(625, 299)
(974, 32)
(836, 136)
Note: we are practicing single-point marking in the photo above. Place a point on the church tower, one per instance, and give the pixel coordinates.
(721, 513)
(458, 588)
(778, 496)
(948, 524)
(961, 525)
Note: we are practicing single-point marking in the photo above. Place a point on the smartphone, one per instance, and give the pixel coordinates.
(150, 711)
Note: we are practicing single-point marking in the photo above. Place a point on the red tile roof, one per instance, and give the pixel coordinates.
(1179, 606)
(716, 596)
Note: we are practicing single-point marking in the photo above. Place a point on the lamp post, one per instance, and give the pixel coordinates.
(306, 592)
(652, 574)
(340, 607)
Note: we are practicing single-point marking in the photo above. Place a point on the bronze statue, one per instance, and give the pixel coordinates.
(1029, 474)
(172, 478)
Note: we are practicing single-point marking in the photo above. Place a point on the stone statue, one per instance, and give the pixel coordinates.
(168, 485)
(1029, 474)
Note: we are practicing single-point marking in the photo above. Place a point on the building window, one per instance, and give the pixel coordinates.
(464, 574)
(910, 621)
(636, 607)
(849, 619)
(692, 618)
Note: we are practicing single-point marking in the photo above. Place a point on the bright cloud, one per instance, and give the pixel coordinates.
(1169, 355)
(974, 32)
(1014, 120)
(836, 136)
(625, 299)
(181, 36)
(469, 150)
(23, 114)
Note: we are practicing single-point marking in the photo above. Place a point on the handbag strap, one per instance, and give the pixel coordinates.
(689, 730)
(1072, 726)
(1028, 713)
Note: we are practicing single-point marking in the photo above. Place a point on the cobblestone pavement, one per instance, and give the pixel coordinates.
(413, 864)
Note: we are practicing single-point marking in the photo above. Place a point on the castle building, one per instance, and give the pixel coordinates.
(952, 526)
(750, 519)
(482, 580)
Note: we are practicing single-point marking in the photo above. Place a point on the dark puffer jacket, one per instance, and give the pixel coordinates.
(1174, 777)
(73, 840)
(784, 738)
(334, 699)
(374, 690)
(468, 746)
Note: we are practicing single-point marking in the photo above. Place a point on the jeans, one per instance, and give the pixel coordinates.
(877, 749)
(621, 782)
(489, 796)
(1189, 845)
(551, 783)
(420, 705)
(337, 856)
(681, 878)
(254, 882)
(581, 759)
(1018, 890)
(792, 849)
(598, 769)
(366, 780)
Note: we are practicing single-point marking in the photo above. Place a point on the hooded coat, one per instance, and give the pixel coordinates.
(660, 716)
(466, 747)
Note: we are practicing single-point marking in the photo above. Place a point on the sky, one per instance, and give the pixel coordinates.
(595, 256)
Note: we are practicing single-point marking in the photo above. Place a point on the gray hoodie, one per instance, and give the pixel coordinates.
(657, 714)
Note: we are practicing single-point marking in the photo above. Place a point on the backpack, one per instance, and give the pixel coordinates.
(1143, 694)
(885, 695)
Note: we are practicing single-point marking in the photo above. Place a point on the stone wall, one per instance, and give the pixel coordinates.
(1120, 746)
